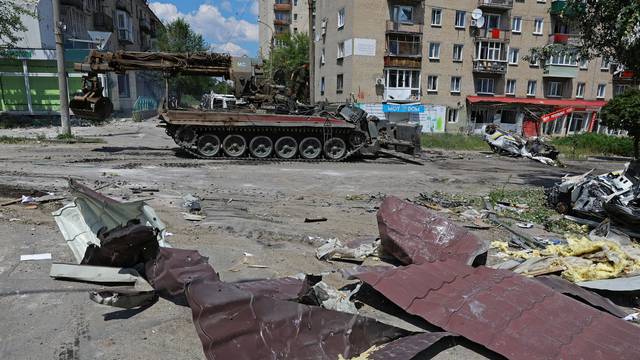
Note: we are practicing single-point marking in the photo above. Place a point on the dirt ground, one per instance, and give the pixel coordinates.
(258, 208)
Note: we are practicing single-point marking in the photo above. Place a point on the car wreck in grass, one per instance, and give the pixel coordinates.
(504, 143)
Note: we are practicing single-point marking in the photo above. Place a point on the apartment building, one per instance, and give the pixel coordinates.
(28, 80)
(457, 65)
(280, 17)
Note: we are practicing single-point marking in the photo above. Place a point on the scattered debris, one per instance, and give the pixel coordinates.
(411, 346)
(313, 220)
(506, 143)
(510, 314)
(32, 257)
(635, 317)
(193, 217)
(356, 250)
(413, 235)
(525, 225)
(191, 203)
(140, 190)
(332, 299)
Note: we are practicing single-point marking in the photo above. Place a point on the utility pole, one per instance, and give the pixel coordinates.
(312, 54)
(62, 73)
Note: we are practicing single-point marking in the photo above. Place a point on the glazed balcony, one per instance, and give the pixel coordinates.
(567, 39)
(399, 48)
(495, 4)
(282, 7)
(484, 34)
(498, 67)
(560, 71)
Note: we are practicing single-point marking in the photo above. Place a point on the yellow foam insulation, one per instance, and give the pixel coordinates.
(606, 259)
(364, 355)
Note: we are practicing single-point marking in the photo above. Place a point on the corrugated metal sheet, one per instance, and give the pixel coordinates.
(409, 347)
(235, 324)
(414, 235)
(510, 314)
(280, 289)
(173, 269)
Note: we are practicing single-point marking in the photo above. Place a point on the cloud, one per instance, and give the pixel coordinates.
(226, 6)
(231, 48)
(209, 21)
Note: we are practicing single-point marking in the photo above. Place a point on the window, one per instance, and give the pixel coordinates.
(455, 84)
(436, 17)
(619, 89)
(123, 86)
(510, 88)
(485, 86)
(492, 21)
(580, 90)
(434, 51)
(457, 52)
(295, 16)
(563, 59)
(452, 116)
(605, 65)
(534, 62)
(339, 83)
(461, 18)
(341, 18)
(403, 14)
(398, 81)
(340, 50)
(432, 83)
(322, 86)
(538, 26)
(516, 25)
(584, 64)
(513, 56)
(555, 89)
(488, 50)
(125, 26)
(602, 89)
(322, 57)
(508, 117)
(531, 88)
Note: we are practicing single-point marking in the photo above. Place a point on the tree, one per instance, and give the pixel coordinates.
(607, 28)
(11, 12)
(178, 37)
(289, 55)
(623, 113)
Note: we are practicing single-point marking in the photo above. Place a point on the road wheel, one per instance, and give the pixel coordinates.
(209, 145)
(261, 147)
(234, 145)
(286, 147)
(335, 148)
(186, 136)
(310, 148)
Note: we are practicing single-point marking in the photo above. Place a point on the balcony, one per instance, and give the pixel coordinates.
(490, 66)
(77, 3)
(624, 76)
(282, 7)
(283, 22)
(567, 39)
(496, 4)
(484, 34)
(404, 48)
(560, 71)
(398, 27)
(102, 22)
(402, 62)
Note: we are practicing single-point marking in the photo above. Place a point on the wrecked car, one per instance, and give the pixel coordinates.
(615, 196)
(505, 143)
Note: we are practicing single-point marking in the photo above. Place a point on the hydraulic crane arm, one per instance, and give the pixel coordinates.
(204, 64)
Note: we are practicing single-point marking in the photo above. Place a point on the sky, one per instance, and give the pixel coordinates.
(227, 25)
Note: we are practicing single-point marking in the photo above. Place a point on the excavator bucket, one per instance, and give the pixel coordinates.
(94, 108)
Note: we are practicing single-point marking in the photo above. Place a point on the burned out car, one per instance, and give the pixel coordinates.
(505, 143)
(615, 195)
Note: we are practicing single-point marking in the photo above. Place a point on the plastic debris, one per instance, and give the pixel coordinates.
(32, 257)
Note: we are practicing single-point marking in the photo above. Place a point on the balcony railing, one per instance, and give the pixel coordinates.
(496, 4)
(568, 39)
(492, 34)
(393, 26)
(404, 48)
(490, 66)
(403, 62)
(282, 7)
(624, 75)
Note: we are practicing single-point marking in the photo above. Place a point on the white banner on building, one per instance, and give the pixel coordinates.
(364, 47)
(432, 119)
(348, 47)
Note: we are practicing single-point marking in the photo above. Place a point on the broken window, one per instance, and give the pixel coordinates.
(403, 14)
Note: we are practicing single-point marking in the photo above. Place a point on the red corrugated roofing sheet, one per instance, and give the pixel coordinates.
(534, 101)
(510, 314)
(413, 235)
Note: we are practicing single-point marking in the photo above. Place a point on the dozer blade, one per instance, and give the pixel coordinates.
(94, 109)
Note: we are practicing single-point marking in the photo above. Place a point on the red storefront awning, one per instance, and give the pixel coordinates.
(532, 101)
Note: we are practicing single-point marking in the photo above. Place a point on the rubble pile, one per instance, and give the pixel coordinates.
(437, 274)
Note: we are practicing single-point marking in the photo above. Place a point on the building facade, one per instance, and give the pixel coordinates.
(279, 17)
(28, 80)
(457, 65)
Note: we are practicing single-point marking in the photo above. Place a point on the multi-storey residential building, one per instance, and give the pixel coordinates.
(28, 80)
(279, 17)
(456, 65)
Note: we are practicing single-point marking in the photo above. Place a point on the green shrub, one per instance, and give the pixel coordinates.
(454, 142)
(594, 144)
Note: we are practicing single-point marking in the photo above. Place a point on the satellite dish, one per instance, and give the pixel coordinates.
(476, 14)
(480, 22)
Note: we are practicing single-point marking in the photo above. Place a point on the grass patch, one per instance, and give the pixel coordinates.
(591, 144)
(454, 142)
